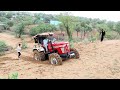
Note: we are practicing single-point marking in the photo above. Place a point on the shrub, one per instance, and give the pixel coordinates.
(34, 31)
(43, 27)
(4, 19)
(92, 39)
(24, 45)
(13, 76)
(3, 47)
(10, 23)
(19, 29)
(110, 35)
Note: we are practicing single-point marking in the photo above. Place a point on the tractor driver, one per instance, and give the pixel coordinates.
(45, 43)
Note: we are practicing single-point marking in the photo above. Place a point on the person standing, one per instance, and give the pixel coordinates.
(102, 33)
(19, 51)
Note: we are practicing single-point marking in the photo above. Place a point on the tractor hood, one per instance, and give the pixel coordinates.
(60, 43)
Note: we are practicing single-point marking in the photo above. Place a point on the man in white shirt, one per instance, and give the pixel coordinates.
(45, 43)
(19, 51)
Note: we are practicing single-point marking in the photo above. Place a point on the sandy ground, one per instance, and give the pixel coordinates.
(97, 61)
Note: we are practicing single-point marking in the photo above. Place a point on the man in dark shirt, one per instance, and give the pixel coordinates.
(102, 33)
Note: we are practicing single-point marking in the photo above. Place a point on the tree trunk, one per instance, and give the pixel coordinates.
(19, 35)
(77, 33)
(81, 34)
(69, 34)
(84, 34)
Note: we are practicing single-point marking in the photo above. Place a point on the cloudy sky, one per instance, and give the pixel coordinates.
(108, 15)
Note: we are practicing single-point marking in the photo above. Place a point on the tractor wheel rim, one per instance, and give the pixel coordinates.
(54, 61)
(36, 57)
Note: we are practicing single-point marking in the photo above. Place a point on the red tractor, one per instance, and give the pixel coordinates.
(57, 51)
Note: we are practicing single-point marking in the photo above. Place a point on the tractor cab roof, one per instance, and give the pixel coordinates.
(44, 34)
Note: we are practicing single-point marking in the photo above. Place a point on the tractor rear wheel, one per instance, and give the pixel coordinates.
(55, 59)
(40, 56)
(76, 53)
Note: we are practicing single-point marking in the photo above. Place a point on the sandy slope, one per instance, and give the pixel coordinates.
(97, 60)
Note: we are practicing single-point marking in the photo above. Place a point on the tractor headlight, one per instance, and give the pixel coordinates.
(63, 50)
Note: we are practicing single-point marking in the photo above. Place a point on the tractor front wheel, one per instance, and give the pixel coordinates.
(55, 59)
(75, 52)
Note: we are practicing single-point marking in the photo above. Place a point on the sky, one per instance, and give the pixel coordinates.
(103, 15)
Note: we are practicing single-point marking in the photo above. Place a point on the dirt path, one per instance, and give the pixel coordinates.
(98, 60)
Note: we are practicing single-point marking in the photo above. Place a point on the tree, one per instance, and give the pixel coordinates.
(117, 27)
(78, 27)
(2, 13)
(9, 15)
(19, 29)
(43, 27)
(68, 23)
(111, 25)
(102, 26)
(61, 27)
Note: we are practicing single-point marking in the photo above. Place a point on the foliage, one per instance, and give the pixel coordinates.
(3, 47)
(10, 23)
(9, 15)
(92, 38)
(43, 27)
(19, 29)
(13, 76)
(24, 45)
(117, 27)
(111, 35)
(68, 22)
(4, 19)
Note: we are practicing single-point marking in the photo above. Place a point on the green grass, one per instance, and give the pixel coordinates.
(13, 76)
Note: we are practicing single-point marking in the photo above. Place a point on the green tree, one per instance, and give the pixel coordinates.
(43, 27)
(61, 27)
(111, 25)
(68, 23)
(117, 27)
(78, 28)
(9, 15)
(19, 29)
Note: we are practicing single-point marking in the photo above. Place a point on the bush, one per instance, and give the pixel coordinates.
(4, 19)
(43, 27)
(24, 45)
(13, 76)
(10, 23)
(110, 35)
(34, 31)
(19, 29)
(3, 47)
(92, 39)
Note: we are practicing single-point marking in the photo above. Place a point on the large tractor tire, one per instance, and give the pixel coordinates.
(76, 53)
(55, 59)
(40, 56)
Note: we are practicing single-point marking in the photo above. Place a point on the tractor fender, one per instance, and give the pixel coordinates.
(41, 49)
